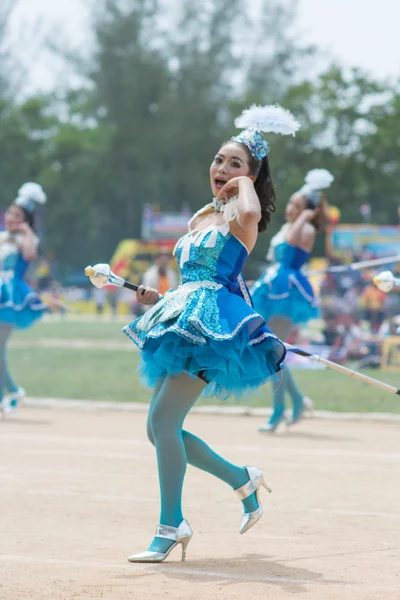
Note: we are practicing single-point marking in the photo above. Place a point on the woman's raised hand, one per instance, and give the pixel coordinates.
(231, 188)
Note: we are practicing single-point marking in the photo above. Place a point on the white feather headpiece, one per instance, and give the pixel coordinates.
(29, 195)
(315, 181)
(319, 179)
(269, 119)
(257, 120)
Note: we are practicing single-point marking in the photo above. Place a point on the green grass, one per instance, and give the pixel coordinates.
(90, 330)
(111, 375)
(82, 374)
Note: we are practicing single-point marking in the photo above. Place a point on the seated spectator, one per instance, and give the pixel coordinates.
(161, 276)
(373, 301)
(332, 333)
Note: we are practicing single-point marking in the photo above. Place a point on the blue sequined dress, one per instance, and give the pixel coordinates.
(20, 306)
(283, 290)
(208, 325)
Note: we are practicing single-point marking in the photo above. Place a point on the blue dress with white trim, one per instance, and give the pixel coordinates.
(283, 290)
(208, 325)
(20, 306)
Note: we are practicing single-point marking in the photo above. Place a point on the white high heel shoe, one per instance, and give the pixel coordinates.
(11, 401)
(178, 535)
(252, 486)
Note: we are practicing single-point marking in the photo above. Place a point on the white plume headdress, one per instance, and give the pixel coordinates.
(271, 118)
(316, 180)
(29, 195)
(257, 120)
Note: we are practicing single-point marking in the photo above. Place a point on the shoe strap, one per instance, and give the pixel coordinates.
(246, 490)
(167, 532)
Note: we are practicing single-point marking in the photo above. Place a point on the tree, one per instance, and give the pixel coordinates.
(152, 111)
(24, 133)
(7, 61)
(158, 96)
(275, 54)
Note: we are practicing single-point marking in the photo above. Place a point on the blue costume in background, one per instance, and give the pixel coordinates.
(284, 297)
(20, 306)
(283, 290)
(206, 326)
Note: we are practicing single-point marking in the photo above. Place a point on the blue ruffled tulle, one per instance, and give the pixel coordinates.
(294, 306)
(216, 332)
(233, 367)
(20, 306)
(288, 295)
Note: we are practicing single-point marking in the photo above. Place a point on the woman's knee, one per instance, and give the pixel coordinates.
(163, 423)
(149, 430)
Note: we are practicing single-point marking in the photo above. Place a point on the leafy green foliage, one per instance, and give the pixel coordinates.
(158, 96)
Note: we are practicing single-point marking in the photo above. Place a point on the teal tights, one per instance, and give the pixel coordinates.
(6, 381)
(175, 447)
(281, 328)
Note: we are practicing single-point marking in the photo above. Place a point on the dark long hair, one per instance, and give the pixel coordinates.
(263, 186)
(29, 216)
(321, 210)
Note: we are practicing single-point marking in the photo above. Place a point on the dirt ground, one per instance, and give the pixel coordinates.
(78, 493)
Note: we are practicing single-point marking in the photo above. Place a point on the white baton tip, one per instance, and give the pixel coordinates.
(385, 281)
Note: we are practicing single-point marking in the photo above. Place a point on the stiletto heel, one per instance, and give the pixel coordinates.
(178, 535)
(264, 484)
(273, 424)
(185, 544)
(256, 480)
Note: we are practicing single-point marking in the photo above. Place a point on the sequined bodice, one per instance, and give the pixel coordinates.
(212, 254)
(290, 257)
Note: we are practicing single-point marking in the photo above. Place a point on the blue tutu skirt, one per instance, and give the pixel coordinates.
(215, 333)
(288, 294)
(20, 306)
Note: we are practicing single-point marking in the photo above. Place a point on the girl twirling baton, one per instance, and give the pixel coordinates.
(205, 336)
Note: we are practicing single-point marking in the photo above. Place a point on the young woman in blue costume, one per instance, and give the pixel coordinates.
(205, 337)
(283, 295)
(20, 306)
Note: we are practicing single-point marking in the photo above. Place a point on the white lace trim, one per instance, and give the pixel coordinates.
(230, 209)
(262, 337)
(174, 328)
(223, 336)
(181, 331)
(199, 325)
(243, 289)
(311, 299)
(218, 204)
(18, 307)
(134, 337)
